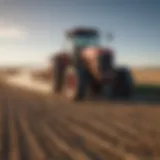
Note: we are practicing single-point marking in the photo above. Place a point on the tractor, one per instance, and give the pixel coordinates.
(89, 70)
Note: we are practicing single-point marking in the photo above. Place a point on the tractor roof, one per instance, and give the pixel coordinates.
(82, 31)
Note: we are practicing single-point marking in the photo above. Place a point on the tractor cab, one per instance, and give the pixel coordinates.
(83, 37)
(85, 46)
(80, 38)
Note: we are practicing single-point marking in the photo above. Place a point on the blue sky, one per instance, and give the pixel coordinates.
(30, 30)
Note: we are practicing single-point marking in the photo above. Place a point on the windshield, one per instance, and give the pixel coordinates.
(86, 41)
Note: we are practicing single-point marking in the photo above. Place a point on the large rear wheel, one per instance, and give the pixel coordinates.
(124, 85)
(58, 76)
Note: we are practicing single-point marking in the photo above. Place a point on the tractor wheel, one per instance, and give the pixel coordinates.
(58, 76)
(75, 84)
(124, 85)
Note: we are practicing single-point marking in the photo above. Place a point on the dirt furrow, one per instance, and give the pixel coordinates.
(74, 140)
(107, 133)
(1, 128)
(46, 142)
(24, 148)
(64, 147)
(14, 152)
(5, 131)
(92, 138)
(35, 152)
(49, 140)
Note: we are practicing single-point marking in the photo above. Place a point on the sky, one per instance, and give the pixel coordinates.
(30, 30)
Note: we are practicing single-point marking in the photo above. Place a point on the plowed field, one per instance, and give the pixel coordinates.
(35, 127)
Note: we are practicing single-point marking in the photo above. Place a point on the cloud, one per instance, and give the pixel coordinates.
(12, 33)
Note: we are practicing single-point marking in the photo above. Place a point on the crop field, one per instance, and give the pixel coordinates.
(36, 127)
(147, 76)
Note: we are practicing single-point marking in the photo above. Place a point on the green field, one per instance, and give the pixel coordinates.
(148, 89)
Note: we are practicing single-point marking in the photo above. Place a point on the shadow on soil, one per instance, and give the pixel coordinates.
(148, 95)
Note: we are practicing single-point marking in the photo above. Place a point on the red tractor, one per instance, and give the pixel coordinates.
(89, 70)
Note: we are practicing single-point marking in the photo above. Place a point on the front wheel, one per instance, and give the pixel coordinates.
(75, 84)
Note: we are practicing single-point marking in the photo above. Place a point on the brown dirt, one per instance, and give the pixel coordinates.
(34, 127)
(147, 76)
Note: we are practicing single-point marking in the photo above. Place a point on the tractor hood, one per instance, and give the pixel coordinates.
(91, 58)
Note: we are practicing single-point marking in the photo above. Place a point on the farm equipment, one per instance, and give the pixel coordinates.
(88, 70)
